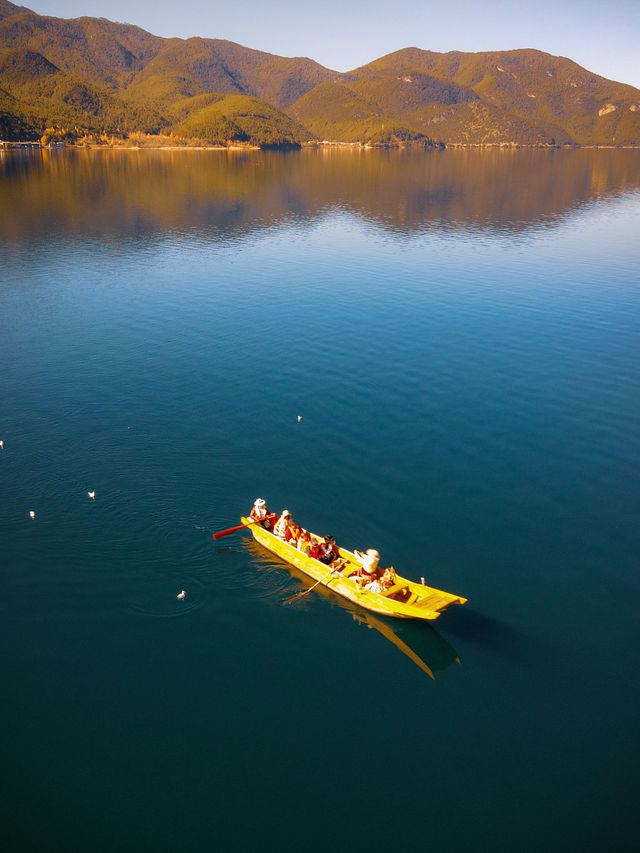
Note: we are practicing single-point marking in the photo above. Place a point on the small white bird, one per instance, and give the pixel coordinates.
(181, 595)
(1, 444)
(92, 495)
(32, 514)
(299, 418)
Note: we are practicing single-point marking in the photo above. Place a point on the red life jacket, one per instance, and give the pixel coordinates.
(312, 549)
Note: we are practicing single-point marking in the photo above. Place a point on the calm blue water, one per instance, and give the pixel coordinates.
(459, 332)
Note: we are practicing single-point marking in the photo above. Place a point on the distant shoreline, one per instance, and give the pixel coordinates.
(359, 146)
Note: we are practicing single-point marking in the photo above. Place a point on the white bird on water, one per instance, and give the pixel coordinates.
(181, 595)
(92, 495)
(32, 514)
(1, 444)
(299, 418)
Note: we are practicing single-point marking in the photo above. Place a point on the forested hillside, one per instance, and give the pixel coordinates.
(89, 78)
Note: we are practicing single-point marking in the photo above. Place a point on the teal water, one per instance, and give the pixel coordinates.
(459, 332)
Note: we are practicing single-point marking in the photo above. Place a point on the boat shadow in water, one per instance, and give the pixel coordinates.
(472, 626)
(420, 642)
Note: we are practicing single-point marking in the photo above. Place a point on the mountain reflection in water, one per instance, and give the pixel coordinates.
(421, 643)
(106, 194)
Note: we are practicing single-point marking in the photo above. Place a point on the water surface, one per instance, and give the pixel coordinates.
(459, 331)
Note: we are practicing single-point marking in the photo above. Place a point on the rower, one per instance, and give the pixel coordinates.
(260, 513)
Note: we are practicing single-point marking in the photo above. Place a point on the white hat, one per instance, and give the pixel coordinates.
(260, 502)
(371, 552)
(286, 512)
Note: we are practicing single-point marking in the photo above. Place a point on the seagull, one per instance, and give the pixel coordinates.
(1, 444)
(92, 495)
(32, 513)
(299, 418)
(181, 595)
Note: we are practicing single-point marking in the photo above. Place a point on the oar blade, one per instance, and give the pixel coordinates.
(222, 533)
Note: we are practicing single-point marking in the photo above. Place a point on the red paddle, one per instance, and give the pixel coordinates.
(239, 527)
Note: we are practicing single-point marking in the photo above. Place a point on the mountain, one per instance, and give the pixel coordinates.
(133, 80)
(524, 96)
(335, 111)
(36, 94)
(92, 49)
(198, 66)
(217, 119)
(90, 75)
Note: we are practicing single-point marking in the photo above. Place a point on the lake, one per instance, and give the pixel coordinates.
(459, 332)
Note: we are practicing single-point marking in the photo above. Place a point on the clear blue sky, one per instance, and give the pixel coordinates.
(601, 36)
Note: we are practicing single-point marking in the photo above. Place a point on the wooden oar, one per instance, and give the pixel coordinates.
(240, 526)
(300, 594)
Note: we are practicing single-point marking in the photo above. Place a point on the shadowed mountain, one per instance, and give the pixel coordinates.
(505, 97)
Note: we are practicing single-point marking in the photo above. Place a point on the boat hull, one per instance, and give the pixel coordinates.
(405, 599)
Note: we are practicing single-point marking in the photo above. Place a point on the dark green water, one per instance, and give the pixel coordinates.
(460, 333)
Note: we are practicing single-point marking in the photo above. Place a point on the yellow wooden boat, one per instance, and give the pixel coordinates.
(405, 599)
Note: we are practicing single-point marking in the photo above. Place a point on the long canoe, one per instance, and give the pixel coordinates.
(405, 599)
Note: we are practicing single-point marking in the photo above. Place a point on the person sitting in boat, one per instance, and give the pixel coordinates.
(311, 546)
(282, 525)
(369, 564)
(381, 584)
(329, 554)
(304, 541)
(293, 534)
(261, 514)
(388, 578)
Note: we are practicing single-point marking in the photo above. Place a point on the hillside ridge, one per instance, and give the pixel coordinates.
(90, 77)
